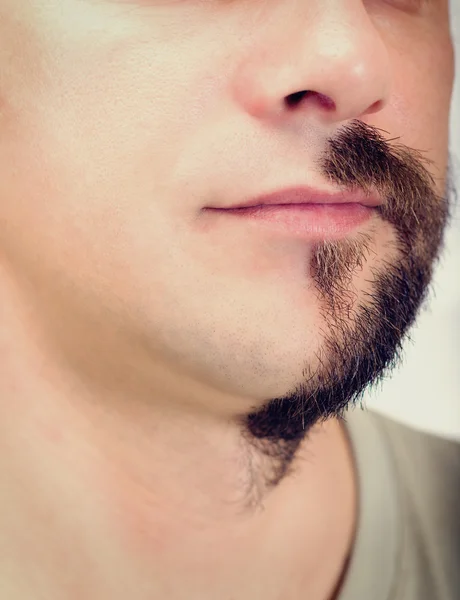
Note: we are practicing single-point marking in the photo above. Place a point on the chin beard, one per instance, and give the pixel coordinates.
(362, 340)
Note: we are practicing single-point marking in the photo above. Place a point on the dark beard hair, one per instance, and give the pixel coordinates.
(362, 341)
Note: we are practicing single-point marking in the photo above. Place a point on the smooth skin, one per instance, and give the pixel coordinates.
(134, 330)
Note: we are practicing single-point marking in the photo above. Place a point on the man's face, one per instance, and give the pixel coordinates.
(121, 120)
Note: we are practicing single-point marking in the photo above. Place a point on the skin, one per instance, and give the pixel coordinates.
(142, 339)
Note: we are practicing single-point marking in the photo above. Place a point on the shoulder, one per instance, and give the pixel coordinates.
(427, 469)
(428, 461)
(408, 531)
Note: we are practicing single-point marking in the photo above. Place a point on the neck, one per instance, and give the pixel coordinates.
(106, 500)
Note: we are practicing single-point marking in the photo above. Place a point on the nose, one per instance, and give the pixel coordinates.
(330, 62)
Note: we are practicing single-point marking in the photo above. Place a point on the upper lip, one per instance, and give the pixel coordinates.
(305, 195)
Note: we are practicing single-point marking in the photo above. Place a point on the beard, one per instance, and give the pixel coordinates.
(362, 341)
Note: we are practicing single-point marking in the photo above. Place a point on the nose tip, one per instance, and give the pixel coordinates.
(341, 72)
(354, 84)
(365, 94)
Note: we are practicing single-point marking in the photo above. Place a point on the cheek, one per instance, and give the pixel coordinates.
(421, 101)
(92, 157)
(122, 117)
(99, 125)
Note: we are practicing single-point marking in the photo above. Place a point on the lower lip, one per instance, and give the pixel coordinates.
(317, 221)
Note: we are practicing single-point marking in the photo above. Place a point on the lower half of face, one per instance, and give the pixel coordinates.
(110, 157)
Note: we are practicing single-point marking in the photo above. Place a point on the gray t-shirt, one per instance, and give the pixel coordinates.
(407, 544)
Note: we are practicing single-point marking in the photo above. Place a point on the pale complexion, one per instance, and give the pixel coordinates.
(132, 333)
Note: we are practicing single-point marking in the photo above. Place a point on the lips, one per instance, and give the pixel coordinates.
(305, 195)
(301, 212)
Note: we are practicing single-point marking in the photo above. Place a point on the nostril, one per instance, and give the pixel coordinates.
(326, 101)
(296, 98)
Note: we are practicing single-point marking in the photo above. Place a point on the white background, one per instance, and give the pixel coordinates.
(425, 390)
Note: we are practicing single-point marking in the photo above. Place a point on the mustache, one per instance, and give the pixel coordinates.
(360, 156)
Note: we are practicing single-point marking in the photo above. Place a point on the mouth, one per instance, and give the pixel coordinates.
(309, 196)
(305, 213)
